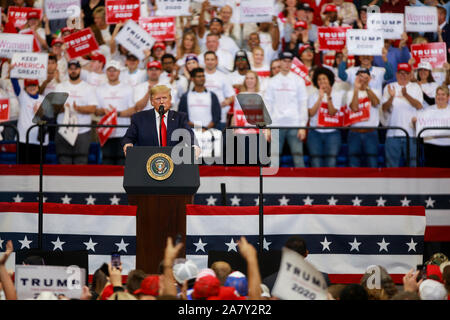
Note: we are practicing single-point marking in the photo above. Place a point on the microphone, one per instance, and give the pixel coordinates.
(161, 113)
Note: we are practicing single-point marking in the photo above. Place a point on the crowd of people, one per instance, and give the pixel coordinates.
(212, 53)
(180, 279)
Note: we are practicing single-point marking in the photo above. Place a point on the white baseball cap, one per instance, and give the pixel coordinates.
(424, 65)
(113, 63)
(186, 270)
(432, 290)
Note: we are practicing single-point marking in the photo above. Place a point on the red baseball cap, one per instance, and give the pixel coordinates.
(56, 41)
(67, 29)
(98, 57)
(227, 293)
(301, 24)
(32, 15)
(205, 287)
(404, 66)
(303, 48)
(159, 45)
(330, 8)
(149, 286)
(31, 82)
(154, 64)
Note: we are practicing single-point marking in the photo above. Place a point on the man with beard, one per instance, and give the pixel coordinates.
(80, 104)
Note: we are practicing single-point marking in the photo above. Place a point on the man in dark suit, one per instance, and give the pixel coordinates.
(147, 129)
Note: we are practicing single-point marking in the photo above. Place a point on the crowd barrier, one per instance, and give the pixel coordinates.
(95, 126)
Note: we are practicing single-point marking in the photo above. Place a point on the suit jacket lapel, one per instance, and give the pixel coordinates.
(171, 126)
(153, 130)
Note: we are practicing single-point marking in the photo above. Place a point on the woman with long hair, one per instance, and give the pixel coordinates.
(188, 45)
(426, 82)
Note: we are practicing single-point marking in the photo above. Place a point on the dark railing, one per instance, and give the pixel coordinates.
(93, 126)
(408, 152)
(420, 140)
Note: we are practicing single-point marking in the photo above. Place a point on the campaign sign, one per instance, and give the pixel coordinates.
(433, 119)
(122, 10)
(332, 38)
(13, 42)
(160, 28)
(172, 8)
(435, 53)
(363, 42)
(80, 43)
(135, 39)
(363, 114)
(60, 9)
(298, 279)
(4, 110)
(301, 70)
(31, 280)
(324, 119)
(256, 11)
(105, 132)
(18, 15)
(421, 19)
(29, 65)
(391, 25)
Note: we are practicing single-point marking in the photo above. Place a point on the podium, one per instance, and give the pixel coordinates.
(161, 190)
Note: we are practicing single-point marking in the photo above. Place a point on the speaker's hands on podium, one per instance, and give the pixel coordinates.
(125, 147)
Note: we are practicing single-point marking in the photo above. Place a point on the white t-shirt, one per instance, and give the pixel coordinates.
(219, 83)
(28, 107)
(401, 110)
(337, 97)
(286, 99)
(443, 114)
(430, 90)
(106, 34)
(225, 60)
(120, 97)
(83, 94)
(236, 78)
(266, 43)
(93, 78)
(374, 119)
(376, 74)
(134, 78)
(199, 106)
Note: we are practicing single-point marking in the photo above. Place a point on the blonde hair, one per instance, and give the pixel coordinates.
(258, 48)
(443, 88)
(257, 81)
(159, 89)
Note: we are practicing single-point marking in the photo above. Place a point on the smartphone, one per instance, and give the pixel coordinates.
(422, 268)
(115, 260)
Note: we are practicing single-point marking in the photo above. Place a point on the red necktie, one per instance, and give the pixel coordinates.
(163, 132)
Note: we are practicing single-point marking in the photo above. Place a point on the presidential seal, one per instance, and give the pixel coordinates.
(160, 166)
